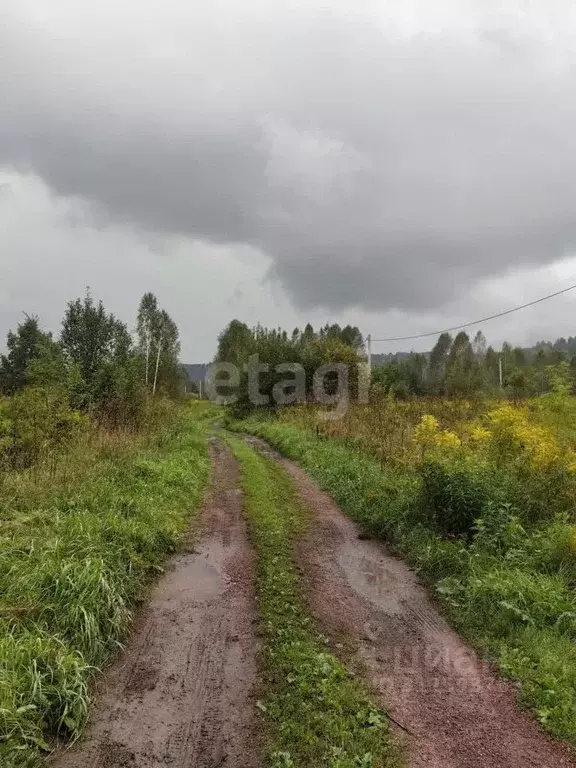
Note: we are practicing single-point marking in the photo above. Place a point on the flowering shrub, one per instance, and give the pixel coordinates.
(429, 435)
(479, 434)
(513, 437)
(510, 454)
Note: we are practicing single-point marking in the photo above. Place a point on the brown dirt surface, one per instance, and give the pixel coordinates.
(453, 710)
(182, 692)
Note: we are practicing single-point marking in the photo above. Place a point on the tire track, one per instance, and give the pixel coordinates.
(181, 694)
(457, 712)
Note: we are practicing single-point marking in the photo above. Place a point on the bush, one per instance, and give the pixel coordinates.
(38, 421)
(455, 494)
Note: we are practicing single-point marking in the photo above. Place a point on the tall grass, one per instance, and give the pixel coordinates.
(384, 428)
(80, 536)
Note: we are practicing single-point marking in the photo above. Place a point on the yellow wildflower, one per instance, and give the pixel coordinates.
(447, 439)
(480, 434)
(425, 432)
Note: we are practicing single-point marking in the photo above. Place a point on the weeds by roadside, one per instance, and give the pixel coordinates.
(508, 584)
(317, 714)
(79, 539)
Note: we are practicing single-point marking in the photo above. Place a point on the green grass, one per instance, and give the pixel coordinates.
(316, 713)
(509, 589)
(79, 541)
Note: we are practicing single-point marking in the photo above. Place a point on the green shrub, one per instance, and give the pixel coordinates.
(455, 494)
(505, 599)
(38, 421)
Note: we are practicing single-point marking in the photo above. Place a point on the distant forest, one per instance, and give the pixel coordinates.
(460, 366)
(456, 366)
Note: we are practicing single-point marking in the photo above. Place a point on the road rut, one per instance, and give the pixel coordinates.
(181, 694)
(453, 710)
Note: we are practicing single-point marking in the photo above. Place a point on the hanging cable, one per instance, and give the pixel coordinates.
(481, 320)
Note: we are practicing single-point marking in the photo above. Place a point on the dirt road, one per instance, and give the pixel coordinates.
(456, 712)
(181, 693)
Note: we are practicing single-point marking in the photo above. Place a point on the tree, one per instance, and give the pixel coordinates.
(166, 346)
(235, 344)
(462, 370)
(438, 362)
(491, 367)
(402, 377)
(309, 334)
(351, 336)
(146, 327)
(519, 357)
(26, 344)
(91, 340)
(479, 346)
(281, 357)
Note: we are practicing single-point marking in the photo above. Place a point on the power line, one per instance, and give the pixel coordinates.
(482, 320)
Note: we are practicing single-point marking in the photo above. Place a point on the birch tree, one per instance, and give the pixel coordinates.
(146, 325)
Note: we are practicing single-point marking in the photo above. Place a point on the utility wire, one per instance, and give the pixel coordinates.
(482, 320)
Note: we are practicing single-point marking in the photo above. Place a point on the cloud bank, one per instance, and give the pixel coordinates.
(378, 161)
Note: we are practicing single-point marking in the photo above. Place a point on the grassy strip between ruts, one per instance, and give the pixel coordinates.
(77, 546)
(509, 605)
(317, 713)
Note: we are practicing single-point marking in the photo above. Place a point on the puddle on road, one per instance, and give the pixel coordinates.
(375, 577)
(195, 575)
(390, 586)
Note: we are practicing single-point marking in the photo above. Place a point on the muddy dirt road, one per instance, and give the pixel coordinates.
(181, 693)
(457, 713)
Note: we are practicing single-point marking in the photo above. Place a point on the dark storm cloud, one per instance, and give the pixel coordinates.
(375, 169)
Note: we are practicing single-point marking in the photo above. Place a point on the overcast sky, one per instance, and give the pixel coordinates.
(400, 165)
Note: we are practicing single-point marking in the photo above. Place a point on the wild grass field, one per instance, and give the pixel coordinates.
(479, 496)
(83, 530)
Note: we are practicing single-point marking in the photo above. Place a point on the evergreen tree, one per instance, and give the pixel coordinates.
(438, 363)
(309, 334)
(462, 371)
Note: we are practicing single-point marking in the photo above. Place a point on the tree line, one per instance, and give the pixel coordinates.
(461, 367)
(278, 349)
(95, 364)
(456, 366)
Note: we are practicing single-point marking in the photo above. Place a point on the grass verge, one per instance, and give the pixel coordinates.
(317, 714)
(510, 590)
(77, 546)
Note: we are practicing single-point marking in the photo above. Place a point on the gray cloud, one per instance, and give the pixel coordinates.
(376, 165)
